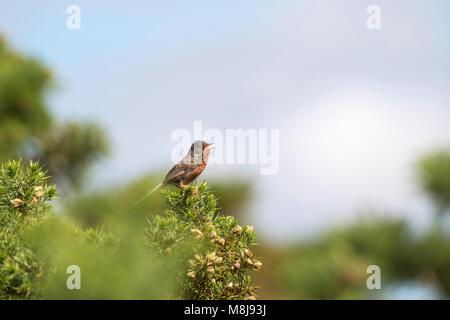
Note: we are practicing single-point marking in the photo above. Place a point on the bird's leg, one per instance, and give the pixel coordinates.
(181, 186)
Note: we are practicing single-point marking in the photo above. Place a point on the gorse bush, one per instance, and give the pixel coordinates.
(37, 246)
(192, 251)
(212, 251)
(24, 194)
(24, 191)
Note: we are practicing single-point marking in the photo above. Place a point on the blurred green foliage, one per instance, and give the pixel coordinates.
(27, 128)
(23, 85)
(113, 266)
(117, 203)
(233, 197)
(434, 177)
(68, 150)
(334, 266)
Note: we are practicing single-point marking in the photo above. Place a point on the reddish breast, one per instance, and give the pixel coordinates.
(194, 173)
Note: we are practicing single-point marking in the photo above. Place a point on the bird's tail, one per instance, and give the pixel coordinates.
(148, 194)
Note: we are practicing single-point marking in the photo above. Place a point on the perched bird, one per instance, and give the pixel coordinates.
(188, 169)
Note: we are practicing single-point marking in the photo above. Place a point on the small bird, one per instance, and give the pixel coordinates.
(188, 169)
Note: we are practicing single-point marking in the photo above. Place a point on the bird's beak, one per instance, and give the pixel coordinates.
(208, 146)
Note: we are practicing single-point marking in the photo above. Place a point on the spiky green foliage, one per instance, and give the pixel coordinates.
(212, 250)
(37, 246)
(24, 194)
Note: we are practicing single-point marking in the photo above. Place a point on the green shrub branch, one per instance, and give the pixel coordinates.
(213, 250)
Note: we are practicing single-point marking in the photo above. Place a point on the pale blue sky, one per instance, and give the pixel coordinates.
(309, 68)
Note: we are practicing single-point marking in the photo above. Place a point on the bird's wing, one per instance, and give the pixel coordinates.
(176, 172)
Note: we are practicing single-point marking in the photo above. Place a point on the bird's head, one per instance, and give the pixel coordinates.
(199, 151)
(200, 146)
